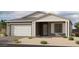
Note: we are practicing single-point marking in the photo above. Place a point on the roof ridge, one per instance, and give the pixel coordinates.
(34, 13)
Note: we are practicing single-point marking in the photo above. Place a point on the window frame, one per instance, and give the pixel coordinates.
(58, 27)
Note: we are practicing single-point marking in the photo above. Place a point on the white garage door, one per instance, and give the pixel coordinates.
(20, 30)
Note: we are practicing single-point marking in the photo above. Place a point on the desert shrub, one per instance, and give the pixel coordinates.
(77, 42)
(5, 34)
(71, 38)
(44, 42)
(17, 41)
(65, 36)
(30, 37)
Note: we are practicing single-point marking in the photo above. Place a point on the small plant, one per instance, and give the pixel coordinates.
(30, 37)
(65, 36)
(17, 41)
(43, 42)
(71, 38)
(77, 42)
(5, 34)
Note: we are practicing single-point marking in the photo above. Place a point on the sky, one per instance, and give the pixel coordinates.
(8, 15)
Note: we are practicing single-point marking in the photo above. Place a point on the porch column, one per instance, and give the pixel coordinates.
(67, 28)
(33, 29)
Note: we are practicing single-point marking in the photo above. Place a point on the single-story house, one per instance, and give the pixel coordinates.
(39, 24)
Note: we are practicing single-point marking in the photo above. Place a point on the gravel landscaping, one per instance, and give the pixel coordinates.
(55, 41)
(45, 41)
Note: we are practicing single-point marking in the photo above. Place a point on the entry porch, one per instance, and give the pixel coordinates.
(50, 29)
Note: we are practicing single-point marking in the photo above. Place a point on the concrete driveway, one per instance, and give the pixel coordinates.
(5, 40)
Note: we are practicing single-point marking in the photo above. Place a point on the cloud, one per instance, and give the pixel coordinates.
(18, 14)
(13, 14)
(72, 15)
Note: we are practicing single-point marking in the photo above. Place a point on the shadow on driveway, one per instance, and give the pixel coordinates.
(5, 40)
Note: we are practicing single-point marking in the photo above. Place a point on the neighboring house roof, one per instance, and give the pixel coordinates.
(34, 16)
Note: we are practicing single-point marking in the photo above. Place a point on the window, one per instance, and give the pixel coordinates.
(58, 28)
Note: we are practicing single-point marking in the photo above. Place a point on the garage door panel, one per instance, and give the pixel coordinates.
(21, 30)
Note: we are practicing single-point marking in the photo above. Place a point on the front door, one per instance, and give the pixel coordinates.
(45, 29)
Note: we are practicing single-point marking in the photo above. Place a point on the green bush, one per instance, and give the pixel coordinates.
(77, 42)
(71, 38)
(44, 42)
